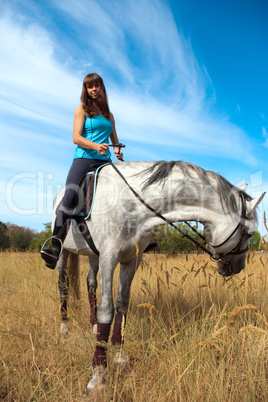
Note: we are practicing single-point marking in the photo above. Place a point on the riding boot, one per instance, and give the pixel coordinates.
(52, 254)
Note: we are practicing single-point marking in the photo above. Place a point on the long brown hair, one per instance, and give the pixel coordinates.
(94, 107)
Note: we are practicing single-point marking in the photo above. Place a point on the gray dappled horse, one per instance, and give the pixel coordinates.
(122, 227)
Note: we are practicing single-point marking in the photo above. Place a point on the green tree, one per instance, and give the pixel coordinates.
(254, 241)
(37, 243)
(20, 237)
(4, 236)
(172, 242)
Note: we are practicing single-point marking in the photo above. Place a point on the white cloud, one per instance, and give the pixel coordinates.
(141, 40)
(265, 135)
(189, 132)
(33, 84)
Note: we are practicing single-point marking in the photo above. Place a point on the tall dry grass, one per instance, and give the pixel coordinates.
(190, 334)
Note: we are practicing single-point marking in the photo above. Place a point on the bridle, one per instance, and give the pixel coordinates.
(237, 249)
(217, 257)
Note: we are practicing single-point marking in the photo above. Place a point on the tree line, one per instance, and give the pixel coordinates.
(169, 241)
(19, 238)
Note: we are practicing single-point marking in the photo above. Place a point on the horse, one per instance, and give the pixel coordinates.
(132, 200)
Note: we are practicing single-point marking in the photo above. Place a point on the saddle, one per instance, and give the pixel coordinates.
(84, 204)
(86, 194)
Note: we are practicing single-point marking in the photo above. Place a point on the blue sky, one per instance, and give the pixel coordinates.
(186, 80)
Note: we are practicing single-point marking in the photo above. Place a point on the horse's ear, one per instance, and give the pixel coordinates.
(243, 187)
(251, 205)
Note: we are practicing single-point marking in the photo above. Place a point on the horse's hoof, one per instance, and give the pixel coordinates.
(97, 381)
(64, 330)
(121, 358)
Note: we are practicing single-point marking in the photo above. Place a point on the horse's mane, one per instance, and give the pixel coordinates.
(161, 170)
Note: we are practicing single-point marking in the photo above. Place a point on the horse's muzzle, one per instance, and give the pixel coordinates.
(227, 269)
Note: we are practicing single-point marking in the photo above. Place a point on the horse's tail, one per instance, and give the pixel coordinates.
(73, 269)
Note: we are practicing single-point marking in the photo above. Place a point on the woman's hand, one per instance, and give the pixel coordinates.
(102, 148)
(118, 153)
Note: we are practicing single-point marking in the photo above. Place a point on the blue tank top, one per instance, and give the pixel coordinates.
(96, 129)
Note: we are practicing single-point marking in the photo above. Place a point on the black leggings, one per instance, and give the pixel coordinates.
(79, 168)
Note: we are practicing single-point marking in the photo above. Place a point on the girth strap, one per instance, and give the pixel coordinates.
(86, 233)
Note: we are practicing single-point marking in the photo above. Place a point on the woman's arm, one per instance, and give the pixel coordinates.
(114, 140)
(78, 139)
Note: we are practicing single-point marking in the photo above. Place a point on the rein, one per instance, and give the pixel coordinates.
(236, 250)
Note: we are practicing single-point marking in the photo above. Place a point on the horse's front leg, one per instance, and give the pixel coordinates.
(63, 285)
(127, 272)
(91, 288)
(105, 314)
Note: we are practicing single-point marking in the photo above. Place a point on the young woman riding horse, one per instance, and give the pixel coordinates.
(93, 125)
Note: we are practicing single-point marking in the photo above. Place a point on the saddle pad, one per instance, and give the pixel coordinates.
(90, 194)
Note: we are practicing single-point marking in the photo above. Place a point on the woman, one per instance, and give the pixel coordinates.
(93, 125)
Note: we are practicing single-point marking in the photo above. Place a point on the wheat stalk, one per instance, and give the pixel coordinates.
(253, 328)
(207, 342)
(264, 221)
(183, 279)
(123, 328)
(262, 263)
(137, 247)
(174, 336)
(197, 272)
(178, 269)
(237, 311)
(219, 332)
(162, 282)
(167, 277)
(148, 305)
(264, 319)
(262, 240)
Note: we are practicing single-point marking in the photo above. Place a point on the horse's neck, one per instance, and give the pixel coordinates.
(180, 199)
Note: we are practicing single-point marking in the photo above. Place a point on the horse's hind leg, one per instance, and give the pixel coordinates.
(63, 284)
(92, 287)
(68, 267)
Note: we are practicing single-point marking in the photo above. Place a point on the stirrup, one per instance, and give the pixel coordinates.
(50, 255)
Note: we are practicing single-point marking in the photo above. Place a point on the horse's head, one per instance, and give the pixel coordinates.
(230, 255)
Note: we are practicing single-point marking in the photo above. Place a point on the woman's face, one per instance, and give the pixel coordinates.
(93, 90)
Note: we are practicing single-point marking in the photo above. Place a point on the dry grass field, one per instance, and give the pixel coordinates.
(190, 334)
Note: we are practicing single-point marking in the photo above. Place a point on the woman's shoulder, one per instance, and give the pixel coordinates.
(79, 111)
